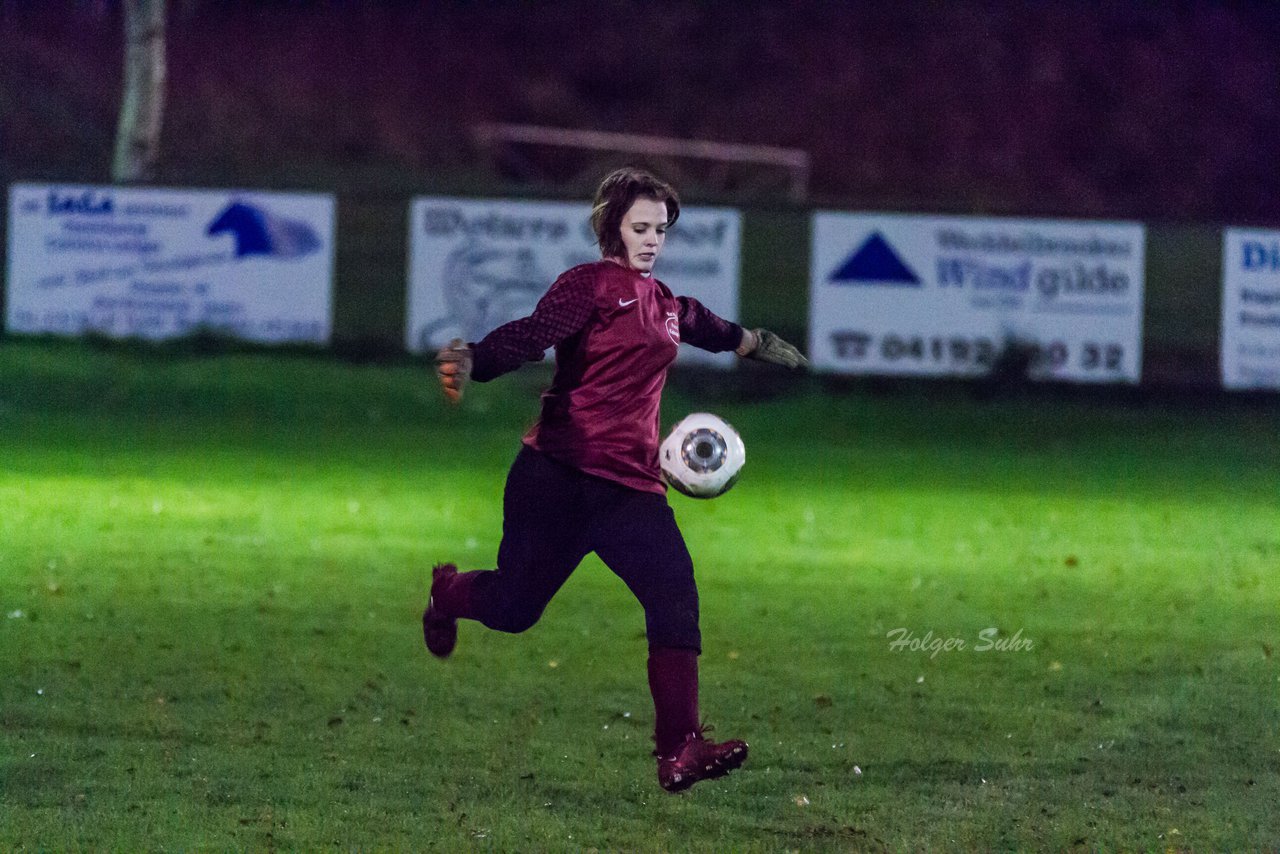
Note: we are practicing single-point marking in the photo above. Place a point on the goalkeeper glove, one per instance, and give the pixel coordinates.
(764, 346)
(453, 367)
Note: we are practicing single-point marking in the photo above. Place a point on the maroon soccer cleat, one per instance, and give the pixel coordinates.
(699, 759)
(438, 630)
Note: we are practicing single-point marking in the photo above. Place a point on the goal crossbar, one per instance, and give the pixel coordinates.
(794, 160)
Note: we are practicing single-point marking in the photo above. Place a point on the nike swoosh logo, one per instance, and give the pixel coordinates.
(628, 302)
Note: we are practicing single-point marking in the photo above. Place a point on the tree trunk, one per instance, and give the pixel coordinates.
(142, 107)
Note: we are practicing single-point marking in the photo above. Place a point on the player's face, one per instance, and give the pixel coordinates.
(644, 230)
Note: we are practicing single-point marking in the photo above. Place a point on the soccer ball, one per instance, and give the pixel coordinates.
(702, 456)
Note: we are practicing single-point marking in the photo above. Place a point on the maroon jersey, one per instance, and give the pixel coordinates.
(616, 332)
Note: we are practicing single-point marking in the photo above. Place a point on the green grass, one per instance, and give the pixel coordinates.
(212, 570)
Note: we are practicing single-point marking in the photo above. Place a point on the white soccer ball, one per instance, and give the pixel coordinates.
(702, 456)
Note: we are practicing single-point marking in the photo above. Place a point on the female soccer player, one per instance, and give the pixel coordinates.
(587, 477)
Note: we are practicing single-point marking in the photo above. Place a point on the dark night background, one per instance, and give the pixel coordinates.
(1116, 109)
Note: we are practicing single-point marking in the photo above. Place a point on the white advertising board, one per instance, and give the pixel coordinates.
(945, 295)
(1250, 308)
(475, 264)
(161, 263)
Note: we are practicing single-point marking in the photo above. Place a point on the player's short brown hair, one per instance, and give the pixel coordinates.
(615, 196)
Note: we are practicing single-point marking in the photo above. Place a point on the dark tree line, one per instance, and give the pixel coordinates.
(1104, 108)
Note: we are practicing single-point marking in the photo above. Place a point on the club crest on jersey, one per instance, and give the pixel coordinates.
(673, 327)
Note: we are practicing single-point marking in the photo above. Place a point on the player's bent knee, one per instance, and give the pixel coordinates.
(674, 630)
(675, 640)
(514, 622)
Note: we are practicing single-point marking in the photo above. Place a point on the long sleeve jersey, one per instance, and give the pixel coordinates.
(615, 332)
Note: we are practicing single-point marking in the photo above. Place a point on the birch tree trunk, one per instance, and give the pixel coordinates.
(142, 107)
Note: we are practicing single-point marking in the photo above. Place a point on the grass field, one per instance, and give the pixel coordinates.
(212, 570)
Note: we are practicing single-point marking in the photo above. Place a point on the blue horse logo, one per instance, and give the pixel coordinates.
(258, 232)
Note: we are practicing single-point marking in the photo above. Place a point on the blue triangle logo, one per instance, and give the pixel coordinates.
(875, 263)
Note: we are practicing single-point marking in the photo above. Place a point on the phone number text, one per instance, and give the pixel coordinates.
(963, 352)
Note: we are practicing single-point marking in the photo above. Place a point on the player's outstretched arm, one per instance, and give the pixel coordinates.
(764, 346)
(453, 367)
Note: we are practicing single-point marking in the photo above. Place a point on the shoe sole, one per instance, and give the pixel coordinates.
(433, 627)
